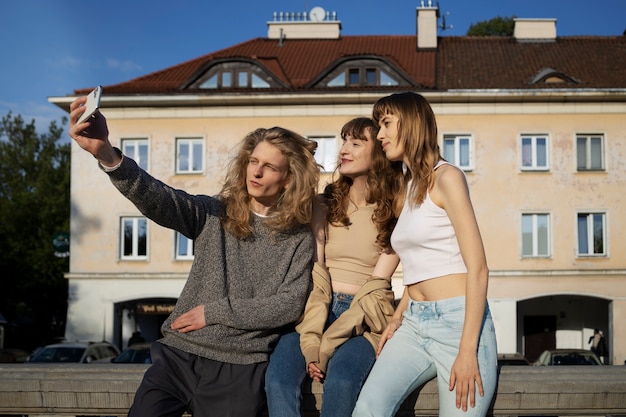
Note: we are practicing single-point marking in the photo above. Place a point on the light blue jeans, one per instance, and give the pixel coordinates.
(347, 370)
(426, 345)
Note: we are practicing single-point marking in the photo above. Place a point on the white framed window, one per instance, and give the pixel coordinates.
(457, 149)
(327, 152)
(234, 75)
(591, 234)
(534, 152)
(136, 149)
(536, 236)
(363, 71)
(189, 155)
(590, 152)
(184, 247)
(227, 79)
(134, 238)
(362, 76)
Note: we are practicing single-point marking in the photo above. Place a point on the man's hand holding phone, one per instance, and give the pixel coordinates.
(92, 104)
(91, 132)
(97, 126)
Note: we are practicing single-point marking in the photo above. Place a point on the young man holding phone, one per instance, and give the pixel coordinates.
(249, 278)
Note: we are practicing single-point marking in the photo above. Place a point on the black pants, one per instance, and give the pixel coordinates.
(178, 381)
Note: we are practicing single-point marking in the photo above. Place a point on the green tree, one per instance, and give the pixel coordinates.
(498, 26)
(34, 207)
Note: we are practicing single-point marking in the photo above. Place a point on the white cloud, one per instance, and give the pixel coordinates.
(43, 114)
(71, 62)
(67, 62)
(6, 104)
(124, 66)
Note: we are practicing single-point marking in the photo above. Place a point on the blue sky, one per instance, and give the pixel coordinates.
(49, 48)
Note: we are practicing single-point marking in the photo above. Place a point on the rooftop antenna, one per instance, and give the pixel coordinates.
(443, 25)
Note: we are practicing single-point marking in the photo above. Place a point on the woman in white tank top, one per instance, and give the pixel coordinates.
(442, 327)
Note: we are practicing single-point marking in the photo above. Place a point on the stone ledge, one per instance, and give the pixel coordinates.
(108, 389)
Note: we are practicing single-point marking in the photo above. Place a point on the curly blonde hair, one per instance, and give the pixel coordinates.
(383, 182)
(417, 132)
(294, 207)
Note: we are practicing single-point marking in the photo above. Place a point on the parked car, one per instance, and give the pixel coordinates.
(8, 355)
(512, 359)
(75, 352)
(567, 357)
(135, 353)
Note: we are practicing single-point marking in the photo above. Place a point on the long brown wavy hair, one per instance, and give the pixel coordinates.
(294, 206)
(383, 183)
(417, 132)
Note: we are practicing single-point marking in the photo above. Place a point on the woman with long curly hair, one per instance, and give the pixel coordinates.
(351, 301)
(250, 274)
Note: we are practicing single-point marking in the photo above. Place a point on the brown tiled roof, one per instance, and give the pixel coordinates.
(458, 63)
(503, 63)
(295, 63)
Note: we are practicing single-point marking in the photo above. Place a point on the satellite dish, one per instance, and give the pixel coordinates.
(317, 14)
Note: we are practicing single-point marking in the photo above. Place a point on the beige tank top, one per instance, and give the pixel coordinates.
(351, 252)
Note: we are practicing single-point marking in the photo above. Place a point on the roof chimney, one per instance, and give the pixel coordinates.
(535, 30)
(427, 15)
(316, 24)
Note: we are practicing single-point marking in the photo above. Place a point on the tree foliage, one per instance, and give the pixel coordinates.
(34, 206)
(498, 26)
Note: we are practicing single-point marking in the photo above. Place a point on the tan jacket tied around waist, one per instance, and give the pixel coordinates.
(368, 315)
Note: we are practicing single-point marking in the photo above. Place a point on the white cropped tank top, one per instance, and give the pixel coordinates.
(425, 241)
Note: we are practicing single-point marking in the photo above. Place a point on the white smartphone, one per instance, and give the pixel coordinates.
(92, 104)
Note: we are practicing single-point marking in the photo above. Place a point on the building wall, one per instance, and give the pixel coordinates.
(500, 193)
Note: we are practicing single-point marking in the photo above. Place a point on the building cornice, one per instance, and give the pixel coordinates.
(583, 273)
(492, 273)
(125, 276)
(185, 106)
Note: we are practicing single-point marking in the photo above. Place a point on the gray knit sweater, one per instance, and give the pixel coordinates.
(250, 287)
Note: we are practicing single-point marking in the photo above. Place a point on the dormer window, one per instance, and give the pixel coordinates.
(362, 76)
(552, 76)
(229, 75)
(360, 73)
(235, 79)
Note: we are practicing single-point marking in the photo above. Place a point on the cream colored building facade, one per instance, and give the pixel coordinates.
(547, 289)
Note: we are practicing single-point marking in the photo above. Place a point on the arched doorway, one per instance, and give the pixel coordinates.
(560, 321)
(144, 315)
